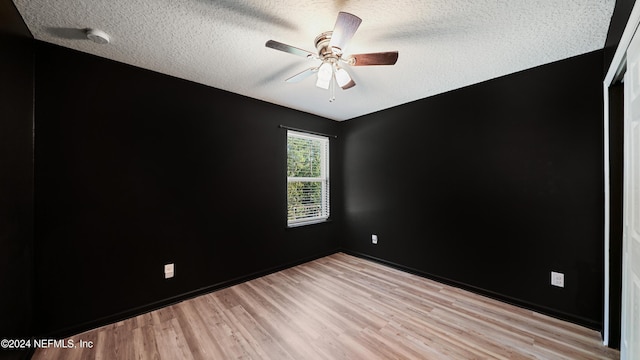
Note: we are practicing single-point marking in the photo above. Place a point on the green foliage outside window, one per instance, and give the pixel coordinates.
(303, 157)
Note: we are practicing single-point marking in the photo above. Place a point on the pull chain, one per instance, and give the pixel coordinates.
(332, 86)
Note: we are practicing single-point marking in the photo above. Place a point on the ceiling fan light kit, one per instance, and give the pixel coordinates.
(329, 46)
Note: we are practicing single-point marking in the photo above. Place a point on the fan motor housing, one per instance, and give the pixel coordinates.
(322, 45)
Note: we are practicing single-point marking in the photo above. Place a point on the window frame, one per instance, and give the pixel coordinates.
(323, 179)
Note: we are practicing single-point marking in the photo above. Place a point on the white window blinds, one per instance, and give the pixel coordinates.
(307, 178)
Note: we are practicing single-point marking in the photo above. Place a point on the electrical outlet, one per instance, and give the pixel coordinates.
(374, 239)
(169, 270)
(557, 279)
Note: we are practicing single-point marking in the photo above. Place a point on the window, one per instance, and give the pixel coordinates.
(307, 178)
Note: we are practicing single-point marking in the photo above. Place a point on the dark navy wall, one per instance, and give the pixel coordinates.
(136, 169)
(16, 177)
(490, 187)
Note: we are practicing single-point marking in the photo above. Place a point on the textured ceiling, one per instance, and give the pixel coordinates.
(443, 44)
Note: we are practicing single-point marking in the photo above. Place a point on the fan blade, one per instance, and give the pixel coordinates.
(343, 31)
(349, 85)
(289, 49)
(380, 58)
(302, 75)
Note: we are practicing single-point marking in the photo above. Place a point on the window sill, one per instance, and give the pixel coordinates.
(305, 223)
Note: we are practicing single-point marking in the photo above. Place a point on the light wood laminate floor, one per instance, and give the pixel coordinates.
(338, 307)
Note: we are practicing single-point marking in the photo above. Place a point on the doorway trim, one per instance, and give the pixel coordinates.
(615, 73)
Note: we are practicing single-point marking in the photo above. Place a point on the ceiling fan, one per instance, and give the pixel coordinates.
(329, 45)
